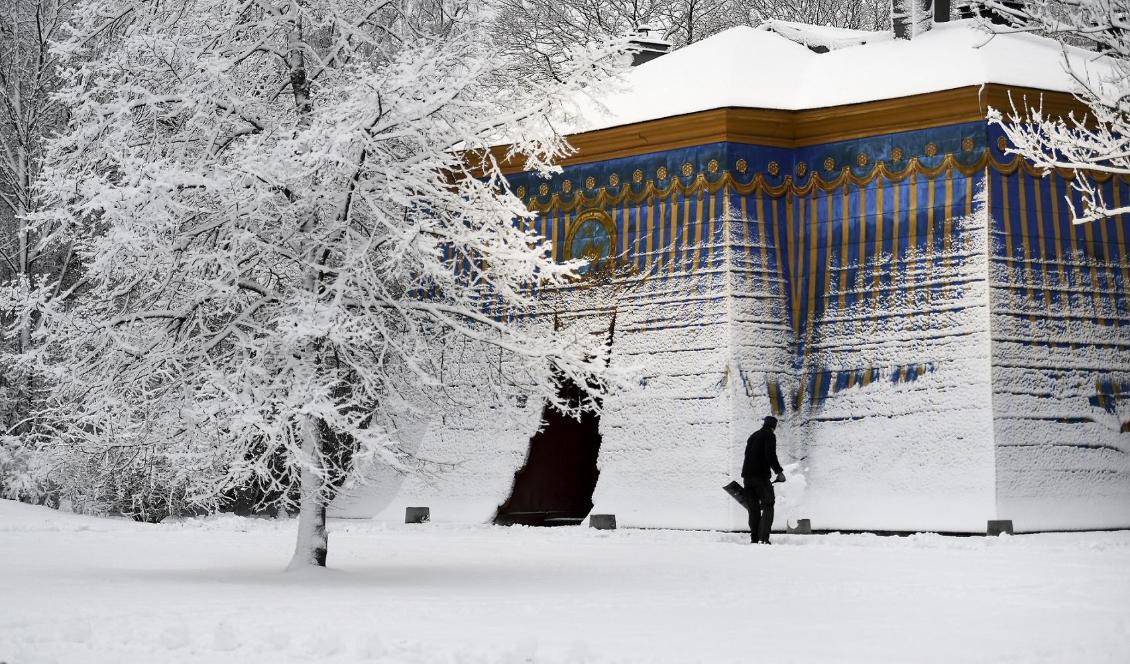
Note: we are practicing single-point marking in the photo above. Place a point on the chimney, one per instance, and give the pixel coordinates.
(646, 46)
(910, 18)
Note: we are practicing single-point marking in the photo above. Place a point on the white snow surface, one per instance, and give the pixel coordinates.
(827, 36)
(752, 68)
(92, 590)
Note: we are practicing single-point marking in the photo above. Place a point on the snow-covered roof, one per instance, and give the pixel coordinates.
(823, 36)
(752, 68)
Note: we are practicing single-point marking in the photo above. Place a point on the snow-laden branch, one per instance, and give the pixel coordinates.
(273, 283)
(1095, 143)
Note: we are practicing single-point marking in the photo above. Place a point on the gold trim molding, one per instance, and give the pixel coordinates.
(791, 129)
(609, 197)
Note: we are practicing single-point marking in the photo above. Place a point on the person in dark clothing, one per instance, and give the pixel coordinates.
(760, 459)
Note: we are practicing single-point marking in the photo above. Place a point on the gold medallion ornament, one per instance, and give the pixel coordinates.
(801, 169)
(1002, 143)
(861, 159)
(688, 168)
(931, 149)
(967, 144)
(661, 173)
(829, 163)
(613, 180)
(521, 192)
(590, 182)
(567, 186)
(712, 167)
(742, 166)
(637, 176)
(543, 189)
(773, 168)
(591, 238)
(896, 155)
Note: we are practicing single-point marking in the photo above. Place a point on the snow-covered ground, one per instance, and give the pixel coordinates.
(88, 590)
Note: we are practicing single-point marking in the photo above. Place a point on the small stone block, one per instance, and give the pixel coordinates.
(602, 521)
(802, 527)
(417, 514)
(999, 527)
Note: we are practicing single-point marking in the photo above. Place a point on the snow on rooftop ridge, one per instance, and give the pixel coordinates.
(747, 67)
(823, 36)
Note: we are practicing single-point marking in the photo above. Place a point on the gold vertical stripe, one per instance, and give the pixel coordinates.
(931, 250)
(763, 240)
(1025, 244)
(1077, 266)
(1041, 242)
(845, 240)
(859, 284)
(1103, 248)
(790, 239)
(878, 244)
(625, 219)
(640, 228)
(947, 232)
(547, 230)
(814, 242)
(744, 207)
(1089, 238)
(1006, 220)
(1120, 236)
(897, 258)
(565, 228)
(672, 228)
(1059, 260)
(700, 249)
(911, 232)
(651, 262)
(777, 244)
(831, 214)
(969, 196)
(685, 250)
(1107, 266)
(553, 236)
(727, 230)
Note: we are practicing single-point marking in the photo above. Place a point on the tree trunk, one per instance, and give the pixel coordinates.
(313, 542)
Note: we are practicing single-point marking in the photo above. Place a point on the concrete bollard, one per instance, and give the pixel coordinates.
(602, 521)
(802, 527)
(417, 514)
(999, 527)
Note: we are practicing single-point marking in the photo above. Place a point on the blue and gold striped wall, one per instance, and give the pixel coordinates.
(844, 233)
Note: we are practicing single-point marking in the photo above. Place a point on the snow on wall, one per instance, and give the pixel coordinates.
(471, 452)
(1061, 357)
(883, 312)
(665, 446)
(909, 446)
(884, 392)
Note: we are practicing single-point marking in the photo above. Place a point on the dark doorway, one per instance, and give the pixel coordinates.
(555, 486)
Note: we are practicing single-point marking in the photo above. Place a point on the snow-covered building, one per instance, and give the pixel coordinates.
(834, 235)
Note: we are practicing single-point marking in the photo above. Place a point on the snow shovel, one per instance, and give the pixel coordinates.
(737, 491)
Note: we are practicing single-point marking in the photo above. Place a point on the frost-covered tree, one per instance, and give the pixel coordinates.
(1087, 144)
(28, 115)
(538, 35)
(856, 15)
(286, 218)
(540, 32)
